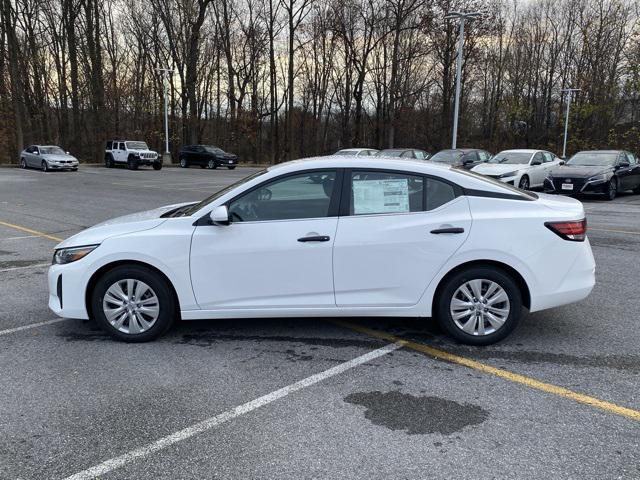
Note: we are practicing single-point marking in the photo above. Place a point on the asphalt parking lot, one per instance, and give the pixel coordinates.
(304, 398)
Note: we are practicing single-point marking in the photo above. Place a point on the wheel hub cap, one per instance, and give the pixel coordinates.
(479, 307)
(131, 306)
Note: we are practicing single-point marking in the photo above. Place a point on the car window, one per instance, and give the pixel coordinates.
(470, 157)
(438, 193)
(36, 150)
(122, 147)
(382, 192)
(631, 158)
(537, 158)
(305, 195)
(109, 145)
(419, 154)
(484, 156)
(408, 154)
(548, 157)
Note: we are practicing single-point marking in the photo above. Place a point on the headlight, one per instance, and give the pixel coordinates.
(68, 255)
(598, 178)
(508, 174)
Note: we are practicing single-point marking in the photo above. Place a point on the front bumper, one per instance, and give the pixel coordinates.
(66, 290)
(579, 185)
(62, 166)
(224, 162)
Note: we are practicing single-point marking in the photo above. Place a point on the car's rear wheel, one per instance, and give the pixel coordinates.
(612, 189)
(133, 303)
(524, 183)
(211, 164)
(479, 305)
(637, 190)
(108, 161)
(184, 163)
(23, 163)
(45, 166)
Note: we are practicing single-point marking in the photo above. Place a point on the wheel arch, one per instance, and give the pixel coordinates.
(118, 263)
(508, 269)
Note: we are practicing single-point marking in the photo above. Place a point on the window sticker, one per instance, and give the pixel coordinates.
(380, 196)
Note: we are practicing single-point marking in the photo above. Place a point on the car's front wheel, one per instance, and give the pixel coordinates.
(612, 189)
(157, 165)
(479, 305)
(184, 163)
(23, 163)
(231, 167)
(211, 164)
(133, 303)
(45, 166)
(524, 183)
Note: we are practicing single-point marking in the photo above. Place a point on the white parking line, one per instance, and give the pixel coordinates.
(224, 417)
(26, 266)
(18, 238)
(31, 325)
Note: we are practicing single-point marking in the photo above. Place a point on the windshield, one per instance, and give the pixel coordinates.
(520, 158)
(191, 209)
(137, 146)
(215, 150)
(593, 159)
(390, 153)
(346, 152)
(447, 156)
(51, 151)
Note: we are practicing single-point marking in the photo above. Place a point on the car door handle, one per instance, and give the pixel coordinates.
(315, 238)
(448, 230)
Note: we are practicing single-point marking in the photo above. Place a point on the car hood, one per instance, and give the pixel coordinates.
(135, 222)
(136, 150)
(497, 168)
(579, 171)
(56, 157)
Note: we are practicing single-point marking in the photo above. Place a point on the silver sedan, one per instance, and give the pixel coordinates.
(47, 157)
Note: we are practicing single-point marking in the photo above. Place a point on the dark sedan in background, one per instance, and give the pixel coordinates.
(462, 157)
(207, 156)
(604, 172)
(404, 153)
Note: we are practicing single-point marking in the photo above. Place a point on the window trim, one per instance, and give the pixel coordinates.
(334, 201)
(345, 197)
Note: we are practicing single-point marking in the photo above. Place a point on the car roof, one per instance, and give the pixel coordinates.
(465, 150)
(601, 151)
(523, 150)
(355, 149)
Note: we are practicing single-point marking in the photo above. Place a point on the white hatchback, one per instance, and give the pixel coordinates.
(523, 168)
(383, 238)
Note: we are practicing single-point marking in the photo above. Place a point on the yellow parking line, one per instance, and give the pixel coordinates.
(498, 372)
(614, 231)
(33, 232)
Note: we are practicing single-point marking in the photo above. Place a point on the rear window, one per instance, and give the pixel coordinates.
(525, 194)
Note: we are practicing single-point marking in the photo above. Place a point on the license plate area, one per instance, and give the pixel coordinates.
(567, 186)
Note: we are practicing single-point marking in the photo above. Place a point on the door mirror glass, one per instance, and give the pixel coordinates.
(219, 215)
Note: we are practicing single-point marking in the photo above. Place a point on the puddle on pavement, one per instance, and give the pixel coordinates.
(417, 414)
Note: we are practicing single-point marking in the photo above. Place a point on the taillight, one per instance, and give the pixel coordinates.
(575, 231)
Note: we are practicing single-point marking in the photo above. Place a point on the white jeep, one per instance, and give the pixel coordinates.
(130, 153)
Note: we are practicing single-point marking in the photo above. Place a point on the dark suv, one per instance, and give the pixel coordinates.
(206, 156)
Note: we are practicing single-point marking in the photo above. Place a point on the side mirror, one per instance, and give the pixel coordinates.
(536, 162)
(562, 162)
(219, 215)
(67, 153)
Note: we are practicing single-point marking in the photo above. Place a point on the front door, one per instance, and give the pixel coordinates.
(399, 231)
(277, 250)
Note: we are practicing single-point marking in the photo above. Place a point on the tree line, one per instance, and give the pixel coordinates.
(273, 80)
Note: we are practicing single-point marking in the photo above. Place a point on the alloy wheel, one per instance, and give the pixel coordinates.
(613, 189)
(23, 164)
(480, 307)
(524, 183)
(45, 167)
(211, 164)
(183, 163)
(131, 306)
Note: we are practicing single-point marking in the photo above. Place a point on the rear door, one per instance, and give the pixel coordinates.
(395, 231)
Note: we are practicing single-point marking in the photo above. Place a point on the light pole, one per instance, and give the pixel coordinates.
(166, 156)
(456, 109)
(569, 92)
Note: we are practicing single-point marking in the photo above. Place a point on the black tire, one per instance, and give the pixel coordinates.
(183, 163)
(45, 166)
(108, 161)
(231, 167)
(166, 300)
(132, 163)
(157, 165)
(447, 290)
(23, 163)
(74, 169)
(637, 190)
(524, 184)
(612, 189)
(202, 165)
(212, 165)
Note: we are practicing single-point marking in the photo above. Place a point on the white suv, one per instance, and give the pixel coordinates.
(130, 153)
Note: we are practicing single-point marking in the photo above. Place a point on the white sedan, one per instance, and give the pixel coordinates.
(383, 238)
(523, 168)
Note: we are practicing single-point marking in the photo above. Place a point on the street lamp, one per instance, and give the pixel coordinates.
(569, 92)
(456, 109)
(167, 155)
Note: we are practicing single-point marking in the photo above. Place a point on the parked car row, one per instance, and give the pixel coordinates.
(604, 172)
